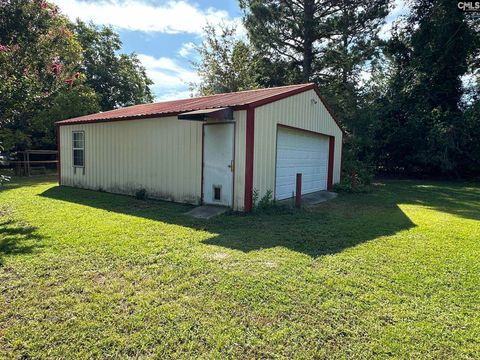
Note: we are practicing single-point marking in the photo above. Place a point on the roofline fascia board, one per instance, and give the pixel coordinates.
(255, 104)
(278, 97)
(125, 118)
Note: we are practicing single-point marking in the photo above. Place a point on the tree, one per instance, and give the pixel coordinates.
(470, 144)
(353, 43)
(329, 42)
(422, 127)
(38, 57)
(52, 69)
(303, 32)
(3, 178)
(226, 63)
(77, 101)
(119, 80)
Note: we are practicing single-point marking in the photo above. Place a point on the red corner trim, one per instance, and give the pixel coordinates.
(282, 95)
(311, 86)
(250, 132)
(203, 162)
(59, 167)
(331, 155)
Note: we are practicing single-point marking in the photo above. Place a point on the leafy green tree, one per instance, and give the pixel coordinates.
(470, 145)
(118, 79)
(422, 127)
(353, 44)
(52, 69)
(39, 58)
(77, 101)
(328, 42)
(226, 63)
(305, 33)
(3, 178)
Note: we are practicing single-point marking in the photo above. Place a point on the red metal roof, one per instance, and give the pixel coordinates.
(237, 100)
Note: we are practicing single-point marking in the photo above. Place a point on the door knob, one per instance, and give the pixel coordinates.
(232, 165)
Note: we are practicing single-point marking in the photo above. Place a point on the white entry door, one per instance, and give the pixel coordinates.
(218, 164)
(300, 152)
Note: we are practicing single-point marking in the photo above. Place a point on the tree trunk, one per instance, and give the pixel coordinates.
(308, 13)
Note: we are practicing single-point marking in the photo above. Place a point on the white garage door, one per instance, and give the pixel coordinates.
(300, 152)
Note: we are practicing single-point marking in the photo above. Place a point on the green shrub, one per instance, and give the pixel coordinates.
(263, 203)
(266, 201)
(141, 194)
(267, 204)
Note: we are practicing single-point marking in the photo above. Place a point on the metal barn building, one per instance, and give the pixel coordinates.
(212, 150)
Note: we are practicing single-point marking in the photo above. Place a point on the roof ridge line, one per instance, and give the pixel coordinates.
(233, 92)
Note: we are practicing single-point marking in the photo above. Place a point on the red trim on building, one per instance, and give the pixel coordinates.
(138, 117)
(59, 164)
(237, 101)
(249, 143)
(331, 151)
(203, 160)
(331, 156)
(277, 97)
(307, 87)
(302, 130)
(329, 109)
(250, 131)
(341, 158)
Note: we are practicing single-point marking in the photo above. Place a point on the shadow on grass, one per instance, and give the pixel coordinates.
(23, 181)
(17, 239)
(326, 229)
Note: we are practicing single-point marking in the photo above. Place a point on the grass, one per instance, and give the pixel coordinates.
(393, 273)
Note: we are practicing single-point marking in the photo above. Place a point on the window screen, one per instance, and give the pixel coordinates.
(78, 144)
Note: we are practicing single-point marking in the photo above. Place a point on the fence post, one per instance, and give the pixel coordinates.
(298, 192)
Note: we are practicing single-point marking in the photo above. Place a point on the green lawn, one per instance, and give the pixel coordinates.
(393, 273)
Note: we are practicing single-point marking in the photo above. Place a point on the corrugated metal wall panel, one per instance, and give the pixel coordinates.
(297, 111)
(125, 156)
(240, 136)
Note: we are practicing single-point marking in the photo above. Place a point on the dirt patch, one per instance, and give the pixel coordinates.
(5, 210)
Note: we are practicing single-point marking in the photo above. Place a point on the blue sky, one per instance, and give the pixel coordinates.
(163, 32)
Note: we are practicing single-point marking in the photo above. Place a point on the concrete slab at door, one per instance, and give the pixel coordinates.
(218, 167)
(206, 211)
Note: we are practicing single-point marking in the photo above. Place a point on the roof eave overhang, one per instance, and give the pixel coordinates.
(223, 114)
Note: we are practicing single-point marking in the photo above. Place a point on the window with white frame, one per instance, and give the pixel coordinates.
(78, 147)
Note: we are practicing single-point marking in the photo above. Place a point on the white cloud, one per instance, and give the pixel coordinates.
(399, 9)
(171, 17)
(173, 95)
(186, 49)
(170, 78)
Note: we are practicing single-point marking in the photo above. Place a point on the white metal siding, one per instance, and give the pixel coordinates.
(304, 111)
(300, 152)
(163, 156)
(125, 156)
(160, 155)
(239, 174)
